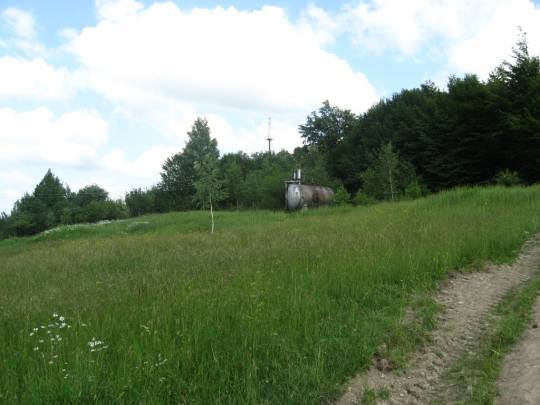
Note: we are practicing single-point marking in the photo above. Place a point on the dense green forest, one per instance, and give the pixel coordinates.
(417, 141)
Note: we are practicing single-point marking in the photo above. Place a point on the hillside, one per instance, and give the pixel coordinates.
(272, 308)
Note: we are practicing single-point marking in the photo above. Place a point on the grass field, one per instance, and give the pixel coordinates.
(272, 308)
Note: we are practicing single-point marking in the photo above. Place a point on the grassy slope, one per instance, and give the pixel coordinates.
(273, 308)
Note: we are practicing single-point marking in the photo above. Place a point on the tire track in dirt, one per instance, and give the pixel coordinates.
(519, 382)
(467, 300)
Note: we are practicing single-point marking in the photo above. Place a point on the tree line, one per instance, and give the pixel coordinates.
(470, 133)
(417, 141)
(52, 204)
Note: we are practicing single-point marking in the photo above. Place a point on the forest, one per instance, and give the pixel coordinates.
(417, 141)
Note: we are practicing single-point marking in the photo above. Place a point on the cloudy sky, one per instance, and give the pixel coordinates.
(103, 91)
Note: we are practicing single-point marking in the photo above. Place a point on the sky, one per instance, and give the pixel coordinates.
(102, 92)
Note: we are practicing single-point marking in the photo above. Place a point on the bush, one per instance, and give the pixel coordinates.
(362, 198)
(415, 189)
(341, 196)
(507, 178)
(140, 202)
(388, 175)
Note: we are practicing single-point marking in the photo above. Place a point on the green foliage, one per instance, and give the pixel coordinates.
(341, 196)
(41, 210)
(507, 178)
(178, 174)
(52, 204)
(325, 130)
(208, 185)
(312, 162)
(388, 176)
(233, 168)
(89, 194)
(274, 309)
(4, 225)
(415, 189)
(462, 135)
(140, 202)
(362, 198)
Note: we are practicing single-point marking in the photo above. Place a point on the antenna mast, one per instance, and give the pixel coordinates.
(269, 139)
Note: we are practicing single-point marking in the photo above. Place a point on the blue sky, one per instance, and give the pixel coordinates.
(102, 92)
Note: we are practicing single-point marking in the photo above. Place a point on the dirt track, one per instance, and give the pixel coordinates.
(467, 300)
(520, 376)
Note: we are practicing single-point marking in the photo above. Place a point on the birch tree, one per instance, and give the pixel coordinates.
(208, 185)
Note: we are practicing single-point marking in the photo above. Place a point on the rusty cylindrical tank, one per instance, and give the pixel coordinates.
(299, 196)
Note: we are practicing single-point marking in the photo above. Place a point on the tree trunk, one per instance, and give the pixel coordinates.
(212, 214)
(391, 179)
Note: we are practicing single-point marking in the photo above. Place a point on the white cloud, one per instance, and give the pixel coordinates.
(284, 135)
(16, 177)
(34, 79)
(21, 26)
(146, 166)
(116, 9)
(493, 41)
(29, 76)
(37, 136)
(19, 22)
(472, 36)
(325, 25)
(256, 61)
(13, 184)
(408, 26)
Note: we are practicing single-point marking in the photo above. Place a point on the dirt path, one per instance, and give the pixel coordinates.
(520, 377)
(467, 300)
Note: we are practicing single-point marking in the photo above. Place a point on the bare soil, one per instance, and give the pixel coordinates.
(519, 382)
(467, 300)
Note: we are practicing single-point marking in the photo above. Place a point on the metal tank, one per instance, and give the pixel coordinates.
(298, 195)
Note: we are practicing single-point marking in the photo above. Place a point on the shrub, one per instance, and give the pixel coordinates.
(341, 196)
(507, 178)
(362, 198)
(415, 189)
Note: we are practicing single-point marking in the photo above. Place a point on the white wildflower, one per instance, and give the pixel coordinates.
(31, 333)
(96, 345)
(35, 329)
(36, 349)
(61, 319)
(55, 315)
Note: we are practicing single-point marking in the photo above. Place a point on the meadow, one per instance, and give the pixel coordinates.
(273, 308)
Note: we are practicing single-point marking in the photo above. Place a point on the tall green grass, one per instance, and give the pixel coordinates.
(273, 308)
